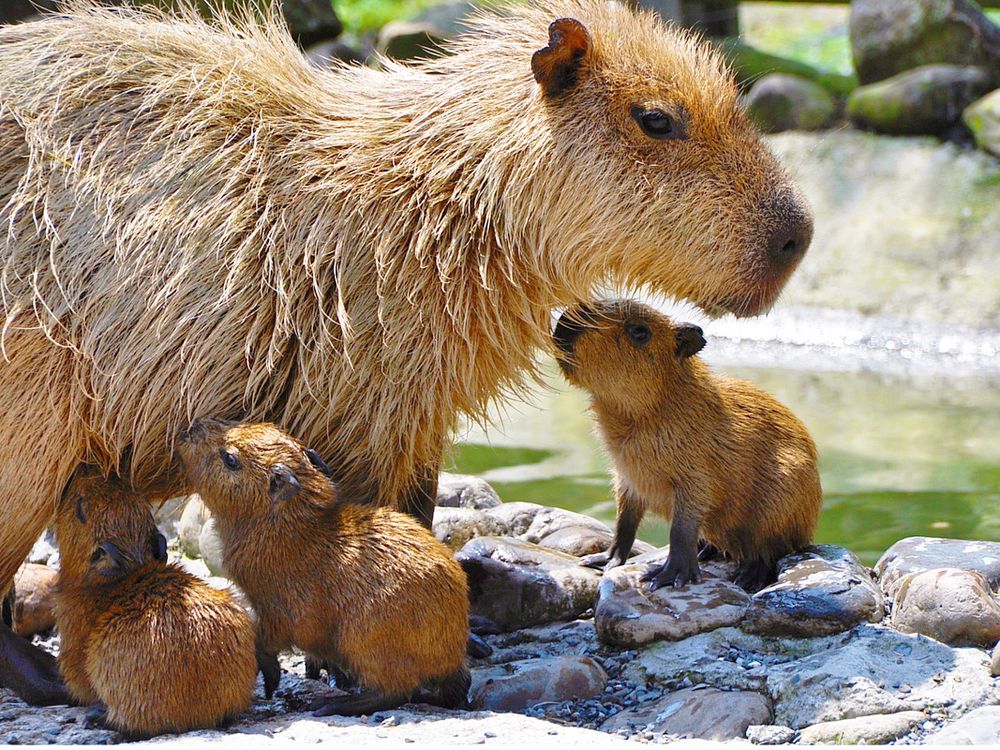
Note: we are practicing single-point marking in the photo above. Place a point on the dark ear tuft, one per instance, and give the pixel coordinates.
(557, 66)
(284, 485)
(690, 340)
(82, 509)
(319, 463)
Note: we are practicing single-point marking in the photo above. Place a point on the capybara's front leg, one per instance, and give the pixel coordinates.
(630, 512)
(30, 672)
(681, 566)
(267, 664)
(356, 705)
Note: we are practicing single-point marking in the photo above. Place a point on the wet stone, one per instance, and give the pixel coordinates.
(465, 491)
(916, 554)
(821, 590)
(517, 685)
(698, 713)
(628, 614)
(517, 584)
(950, 605)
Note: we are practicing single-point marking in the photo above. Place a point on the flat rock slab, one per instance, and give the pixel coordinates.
(870, 670)
(518, 584)
(517, 685)
(706, 713)
(821, 590)
(978, 727)
(628, 614)
(866, 730)
(950, 605)
(916, 554)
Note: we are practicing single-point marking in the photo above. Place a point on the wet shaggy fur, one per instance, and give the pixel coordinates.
(196, 222)
(368, 590)
(162, 650)
(711, 453)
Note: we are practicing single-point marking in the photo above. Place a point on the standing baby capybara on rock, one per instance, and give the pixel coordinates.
(367, 590)
(196, 222)
(159, 648)
(718, 457)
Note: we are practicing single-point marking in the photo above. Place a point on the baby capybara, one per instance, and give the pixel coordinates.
(159, 648)
(368, 590)
(722, 460)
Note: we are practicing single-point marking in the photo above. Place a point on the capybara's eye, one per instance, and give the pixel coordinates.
(229, 460)
(638, 332)
(657, 124)
(98, 554)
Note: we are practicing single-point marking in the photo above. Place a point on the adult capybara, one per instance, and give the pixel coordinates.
(722, 460)
(368, 590)
(194, 222)
(161, 650)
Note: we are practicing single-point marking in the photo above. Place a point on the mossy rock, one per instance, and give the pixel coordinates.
(982, 117)
(750, 64)
(928, 100)
(786, 102)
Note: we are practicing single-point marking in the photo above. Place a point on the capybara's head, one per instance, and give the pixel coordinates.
(656, 174)
(105, 529)
(242, 470)
(621, 350)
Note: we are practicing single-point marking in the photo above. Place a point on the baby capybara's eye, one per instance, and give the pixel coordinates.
(229, 460)
(159, 545)
(658, 124)
(639, 333)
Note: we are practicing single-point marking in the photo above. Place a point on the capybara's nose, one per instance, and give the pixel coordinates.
(792, 233)
(570, 326)
(194, 431)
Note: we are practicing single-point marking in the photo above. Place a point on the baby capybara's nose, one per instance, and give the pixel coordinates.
(792, 233)
(570, 325)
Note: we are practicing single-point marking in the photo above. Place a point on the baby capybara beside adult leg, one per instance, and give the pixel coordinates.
(726, 463)
(367, 590)
(194, 221)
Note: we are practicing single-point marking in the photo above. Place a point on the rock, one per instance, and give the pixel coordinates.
(978, 727)
(168, 515)
(995, 660)
(707, 714)
(822, 590)
(193, 519)
(517, 517)
(770, 734)
(890, 36)
(456, 526)
(405, 40)
(928, 100)
(870, 670)
(311, 21)
(628, 614)
(35, 586)
(879, 729)
(916, 554)
(517, 584)
(572, 533)
(950, 605)
(45, 551)
(12, 11)
(520, 684)
(983, 119)
(322, 54)
(465, 491)
(749, 64)
(210, 546)
(787, 102)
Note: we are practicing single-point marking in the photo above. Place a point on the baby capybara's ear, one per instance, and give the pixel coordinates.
(283, 484)
(557, 66)
(318, 462)
(690, 340)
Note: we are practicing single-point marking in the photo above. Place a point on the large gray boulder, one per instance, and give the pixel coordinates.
(697, 713)
(780, 102)
(928, 100)
(517, 685)
(950, 605)
(916, 554)
(982, 117)
(890, 36)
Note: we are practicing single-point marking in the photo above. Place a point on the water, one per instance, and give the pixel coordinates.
(908, 439)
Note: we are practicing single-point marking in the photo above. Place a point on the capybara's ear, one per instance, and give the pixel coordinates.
(557, 66)
(284, 485)
(82, 510)
(159, 545)
(690, 340)
(318, 462)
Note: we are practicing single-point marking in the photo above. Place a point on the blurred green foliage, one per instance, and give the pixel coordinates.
(361, 16)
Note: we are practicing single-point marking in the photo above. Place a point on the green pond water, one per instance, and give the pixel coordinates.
(899, 457)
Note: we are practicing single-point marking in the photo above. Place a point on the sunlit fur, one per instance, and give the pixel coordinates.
(367, 589)
(194, 221)
(747, 465)
(162, 650)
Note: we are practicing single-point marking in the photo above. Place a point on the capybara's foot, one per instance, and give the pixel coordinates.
(477, 648)
(601, 560)
(708, 552)
(355, 705)
(96, 717)
(483, 625)
(677, 571)
(315, 667)
(450, 692)
(7, 608)
(268, 665)
(753, 575)
(30, 672)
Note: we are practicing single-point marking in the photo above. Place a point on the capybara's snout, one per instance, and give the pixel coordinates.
(791, 233)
